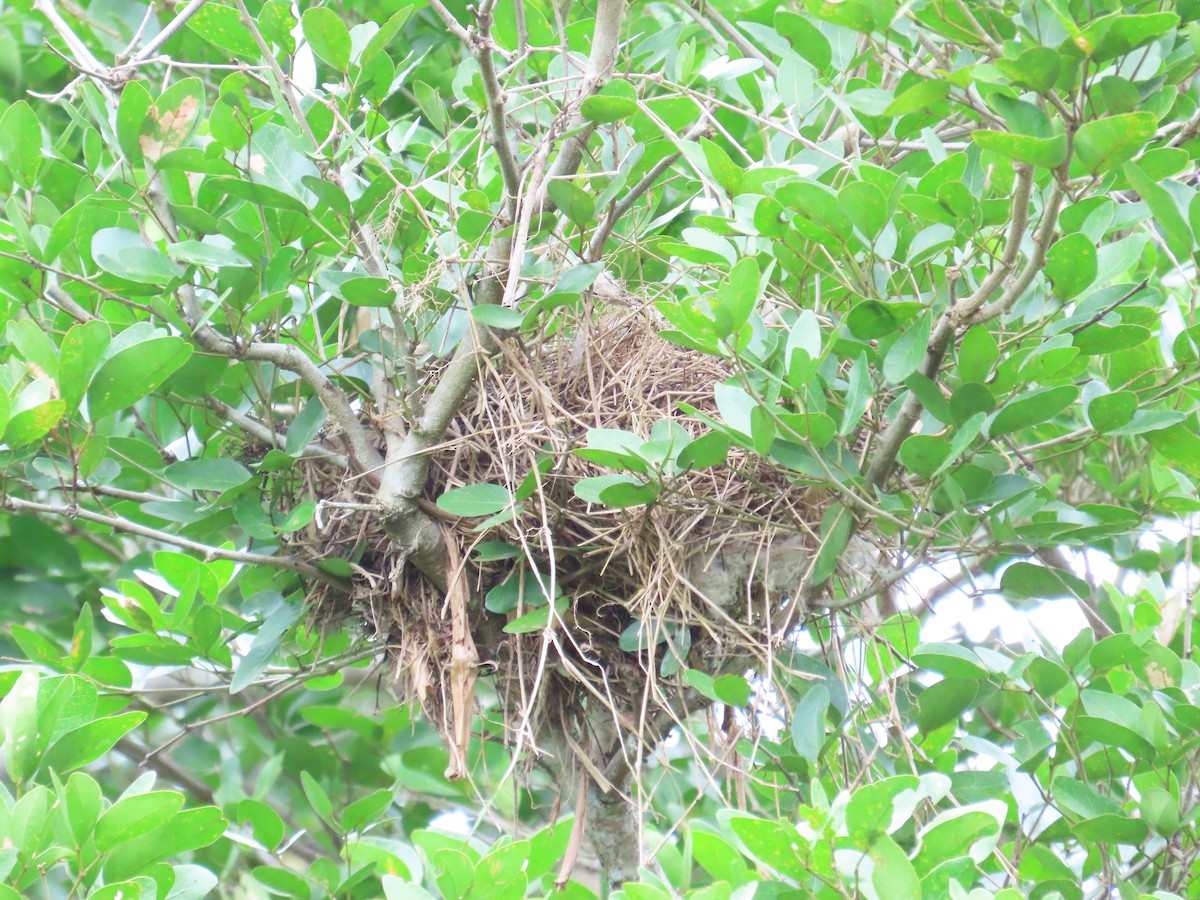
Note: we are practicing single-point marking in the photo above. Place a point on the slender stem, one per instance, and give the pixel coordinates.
(169, 30)
(119, 523)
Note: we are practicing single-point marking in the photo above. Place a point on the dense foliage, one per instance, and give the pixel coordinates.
(488, 450)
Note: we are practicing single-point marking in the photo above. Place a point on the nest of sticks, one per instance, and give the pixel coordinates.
(704, 577)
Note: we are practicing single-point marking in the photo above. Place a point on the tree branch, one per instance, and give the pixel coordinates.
(169, 31)
(606, 38)
(948, 324)
(118, 523)
(618, 210)
(481, 47)
(286, 356)
(273, 438)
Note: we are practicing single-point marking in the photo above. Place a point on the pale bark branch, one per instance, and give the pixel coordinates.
(285, 356)
(273, 438)
(127, 526)
(947, 325)
(606, 38)
(168, 31)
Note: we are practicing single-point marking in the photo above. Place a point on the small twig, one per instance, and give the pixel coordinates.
(169, 30)
(705, 13)
(274, 438)
(82, 55)
(618, 210)
(119, 523)
(1128, 295)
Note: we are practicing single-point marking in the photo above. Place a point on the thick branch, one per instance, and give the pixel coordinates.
(606, 38)
(406, 471)
(285, 356)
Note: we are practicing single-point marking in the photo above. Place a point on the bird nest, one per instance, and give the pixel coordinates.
(611, 605)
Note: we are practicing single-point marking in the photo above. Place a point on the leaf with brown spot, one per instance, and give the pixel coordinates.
(173, 119)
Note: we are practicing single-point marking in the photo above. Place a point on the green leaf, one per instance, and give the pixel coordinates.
(1167, 216)
(1117, 34)
(206, 253)
(89, 742)
(19, 726)
(278, 621)
(222, 26)
(922, 95)
(616, 100)
(574, 201)
(188, 830)
(305, 427)
(589, 490)
(977, 354)
(847, 13)
(1104, 144)
(1023, 579)
(908, 352)
(366, 810)
(736, 297)
(207, 474)
(21, 143)
(1071, 265)
(775, 844)
(727, 173)
(951, 660)
(318, 798)
(1046, 676)
(835, 533)
(264, 822)
(368, 291)
(327, 35)
(34, 423)
(538, 619)
(866, 207)
(276, 22)
(1102, 340)
(385, 35)
(944, 702)
(278, 162)
(805, 38)
(624, 494)
(174, 118)
(1043, 152)
(1032, 408)
(1036, 68)
(135, 104)
(1113, 829)
(733, 690)
(83, 347)
(808, 722)
(123, 253)
(893, 875)
(475, 500)
(497, 316)
(709, 450)
(1108, 412)
(133, 816)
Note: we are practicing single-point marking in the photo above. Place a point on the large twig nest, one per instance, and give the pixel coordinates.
(707, 574)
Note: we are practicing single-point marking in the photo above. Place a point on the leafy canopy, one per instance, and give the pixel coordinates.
(926, 272)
